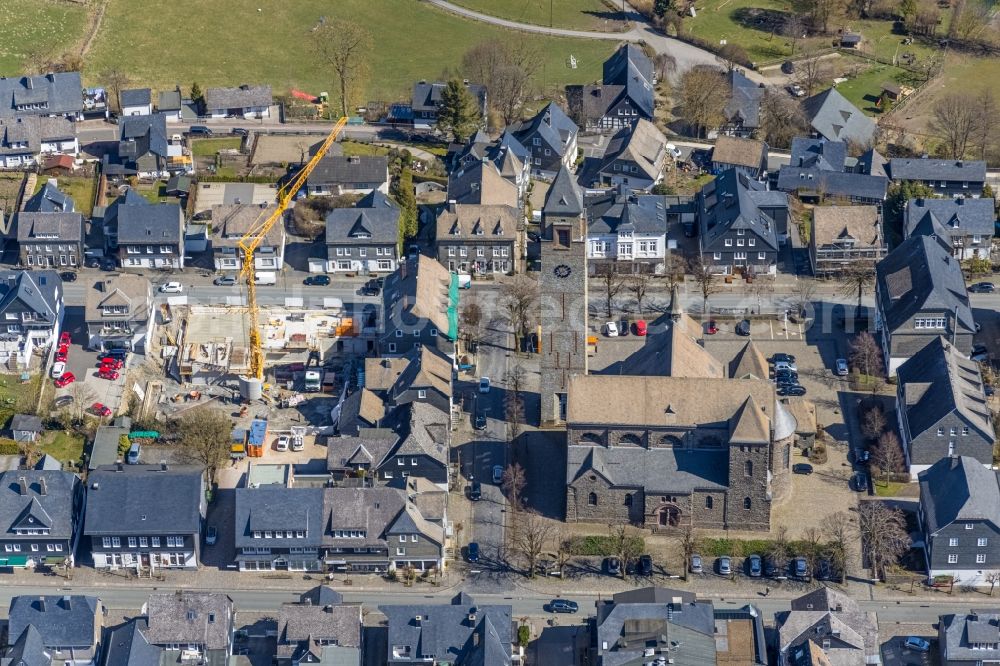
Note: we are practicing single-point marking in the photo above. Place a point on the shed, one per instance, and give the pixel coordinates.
(179, 186)
(25, 427)
(891, 91)
(105, 448)
(850, 40)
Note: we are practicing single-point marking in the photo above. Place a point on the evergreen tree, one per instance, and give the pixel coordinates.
(197, 96)
(458, 113)
(407, 204)
(661, 7)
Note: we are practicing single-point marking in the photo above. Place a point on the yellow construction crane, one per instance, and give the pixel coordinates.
(252, 239)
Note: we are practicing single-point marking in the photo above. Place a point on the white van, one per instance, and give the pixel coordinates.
(265, 278)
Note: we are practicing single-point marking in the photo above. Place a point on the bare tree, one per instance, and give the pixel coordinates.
(507, 67)
(781, 118)
(888, 454)
(471, 321)
(518, 300)
(563, 551)
(857, 278)
(794, 29)
(83, 397)
(205, 434)
(778, 550)
(762, 286)
(624, 545)
(345, 46)
(836, 529)
(866, 355)
(688, 544)
(514, 481)
(811, 71)
(802, 296)
(992, 578)
(664, 66)
(732, 56)
(883, 535)
(705, 280)
(514, 400)
(638, 284)
(822, 12)
(954, 120)
(985, 132)
(701, 103)
(115, 80)
(673, 269)
(613, 284)
(873, 423)
(530, 535)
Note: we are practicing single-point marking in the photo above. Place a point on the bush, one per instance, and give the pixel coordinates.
(817, 454)
(9, 448)
(523, 634)
(600, 546)
(743, 548)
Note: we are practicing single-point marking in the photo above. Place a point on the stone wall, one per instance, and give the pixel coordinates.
(613, 504)
(753, 488)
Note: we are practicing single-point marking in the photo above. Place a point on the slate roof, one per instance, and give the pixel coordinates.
(818, 154)
(959, 632)
(51, 509)
(744, 102)
(564, 198)
(277, 508)
(132, 291)
(653, 469)
(446, 632)
(739, 151)
(27, 650)
(641, 143)
(60, 92)
(160, 502)
(376, 511)
(427, 433)
(423, 291)
(872, 163)
(958, 489)
(187, 616)
(631, 68)
(952, 216)
(57, 227)
(627, 628)
(481, 183)
(61, 621)
(858, 630)
(49, 199)
(127, 645)
(24, 135)
(28, 422)
(427, 96)
(920, 275)
(733, 201)
(341, 170)
(825, 599)
(374, 219)
(344, 452)
(140, 135)
(104, 451)
(592, 102)
(169, 100)
(832, 224)
(834, 118)
(477, 222)
(832, 183)
(552, 125)
(301, 622)
(612, 212)
(150, 224)
(137, 97)
(904, 168)
(242, 97)
(231, 222)
(38, 291)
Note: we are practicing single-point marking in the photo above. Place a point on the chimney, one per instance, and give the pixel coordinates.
(41, 604)
(28, 83)
(959, 201)
(920, 201)
(42, 489)
(418, 619)
(163, 465)
(328, 608)
(120, 466)
(452, 203)
(475, 639)
(67, 602)
(22, 485)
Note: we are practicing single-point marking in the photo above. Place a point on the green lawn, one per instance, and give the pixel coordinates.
(890, 489)
(209, 147)
(25, 25)
(864, 90)
(227, 42)
(354, 148)
(82, 189)
(743, 22)
(574, 14)
(17, 397)
(62, 446)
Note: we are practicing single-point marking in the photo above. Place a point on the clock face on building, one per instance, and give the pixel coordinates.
(562, 271)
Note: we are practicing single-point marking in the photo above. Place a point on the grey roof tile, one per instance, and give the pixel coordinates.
(150, 224)
(611, 212)
(277, 509)
(819, 154)
(25, 134)
(744, 103)
(427, 96)
(341, 170)
(905, 168)
(957, 490)
(564, 197)
(160, 501)
(47, 501)
(834, 118)
(65, 621)
(54, 227)
(631, 68)
(136, 97)
(373, 219)
(244, 96)
(733, 201)
(59, 93)
(187, 616)
(832, 183)
(960, 217)
(38, 291)
(50, 199)
(960, 631)
(127, 645)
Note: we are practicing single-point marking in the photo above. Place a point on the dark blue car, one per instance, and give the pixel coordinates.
(473, 553)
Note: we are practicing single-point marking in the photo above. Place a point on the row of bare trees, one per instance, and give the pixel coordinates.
(966, 123)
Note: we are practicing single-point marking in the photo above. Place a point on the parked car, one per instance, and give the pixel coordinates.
(859, 482)
(282, 443)
(782, 358)
(696, 566)
(64, 338)
(112, 362)
(645, 565)
(472, 554)
(800, 568)
(796, 90)
(211, 535)
(792, 390)
(624, 328)
(317, 280)
(842, 368)
(712, 328)
(743, 328)
(68, 276)
(62, 353)
(484, 384)
(108, 374)
(498, 474)
(134, 451)
(58, 368)
(563, 606)
(754, 566)
(240, 131)
(983, 288)
(802, 468)
(989, 390)
(109, 265)
(372, 288)
(674, 151)
(224, 281)
(100, 409)
(171, 288)
(979, 354)
(824, 569)
(917, 644)
(611, 329)
(862, 456)
(476, 491)
(480, 421)
(65, 380)
(724, 565)
(613, 566)
(200, 130)
(785, 365)
(772, 569)
(640, 328)
(298, 444)
(787, 379)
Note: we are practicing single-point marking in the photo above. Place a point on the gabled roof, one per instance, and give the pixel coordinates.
(685, 356)
(160, 501)
(612, 212)
(373, 219)
(278, 508)
(630, 623)
(423, 291)
(53, 227)
(825, 599)
(137, 97)
(819, 154)
(427, 96)
(835, 224)
(551, 125)
(38, 498)
(347, 170)
(56, 94)
(38, 292)
(939, 380)
(959, 489)
(834, 118)
(733, 201)
(564, 197)
(242, 97)
(744, 103)
(49, 199)
(871, 163)
(188, 616)
(61, 621)
(139, 135)
(905, 168)
(475, 221)
(739, 151)
(964, 637)
(149, 224)
(427, 433)
(832, 183)
(945, 217)
(749, 363)
(28, 650)
(920, 275)
(301, 622)
(170, 100)
(127, 645)
(631, 68)
(24, 135)
(641, 143)
(130, 291)
(481, 183)
(833, 614)
(364, 449)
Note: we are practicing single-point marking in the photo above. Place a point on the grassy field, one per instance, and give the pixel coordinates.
(864, 90)
(573, 14)
(25, 25)
(209, 147)
(354, 148)
(17, 397)
(62, 446)
(744, 22)
(82, 189)
(231, 42)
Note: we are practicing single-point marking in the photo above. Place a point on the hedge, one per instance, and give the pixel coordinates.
(602, 546)
(9, 448)
(742, 548)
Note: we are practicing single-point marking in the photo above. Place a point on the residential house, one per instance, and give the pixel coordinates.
(742, 112)
(169, 104)
(920, 295)
(745, 156)
(319, 629)
(426, 102)
(844, 236)
(827, 622)
(205, 196)
(636, 157)
(960, 518)
(25, 138)
(833, 118)
(947, 178)
(941, 406)
(31, 305)
(25, 427)
(675, 458)
(119, 313)
(246, 102)
(150, 235)
(231, 223)
(740, 225)
(360, 453)
(191, 626)
(162, 527)
(355, 174)
(56, 94)
(965, 226)
(626, 233)
(40, 515)
(462, 633)
(128, 645)
(551, 137)
(422, 374)
(511, 159)
(363, 239)
(969, 639)
(143, 150)
(107, 217)
(820, 169)
(624, 96)
(821, 154)
(66, 627)
(420, 308)
(50, 240)
(423, 448)
(482, 183)
(136, 102)
(49, 199)
(278, 527)
(479, 239)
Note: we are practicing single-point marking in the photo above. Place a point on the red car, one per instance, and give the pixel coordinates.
(640, 327)
(111, 362)
(64, 339)
(65, 380)
(62, 353)
(712, 328)
(107, 373)
(100, 409)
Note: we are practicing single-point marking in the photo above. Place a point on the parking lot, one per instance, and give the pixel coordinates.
(895, 653)
(88, 388)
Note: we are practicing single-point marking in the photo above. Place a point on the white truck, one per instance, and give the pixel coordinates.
(313, 382)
